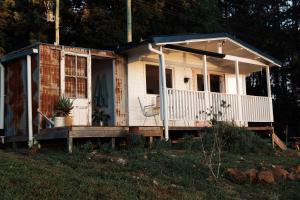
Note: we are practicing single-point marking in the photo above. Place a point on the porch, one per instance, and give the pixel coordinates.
(187, 79)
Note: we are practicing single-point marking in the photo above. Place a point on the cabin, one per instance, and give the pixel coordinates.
(164, 83)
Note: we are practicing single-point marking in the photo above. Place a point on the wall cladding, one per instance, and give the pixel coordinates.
(121, 92)
(16, 110)
(49, 79)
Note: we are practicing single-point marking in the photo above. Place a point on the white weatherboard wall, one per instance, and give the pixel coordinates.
(175, 61)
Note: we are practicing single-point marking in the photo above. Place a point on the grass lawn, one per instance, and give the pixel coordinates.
(147, 174)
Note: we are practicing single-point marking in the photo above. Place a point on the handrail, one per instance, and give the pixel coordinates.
(187, 104)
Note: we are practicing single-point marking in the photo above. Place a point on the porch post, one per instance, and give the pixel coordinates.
(29, 99)
(269, 92)
(238, 92)
(1, 96)
(205, 80)
(164, 92)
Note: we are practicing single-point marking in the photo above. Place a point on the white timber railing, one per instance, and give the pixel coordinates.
(191, 105)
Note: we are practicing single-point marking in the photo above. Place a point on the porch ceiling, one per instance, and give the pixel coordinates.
(245, 68)
(228, 47)
(211, 42)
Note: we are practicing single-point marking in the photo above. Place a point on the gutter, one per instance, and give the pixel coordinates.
(162, 88)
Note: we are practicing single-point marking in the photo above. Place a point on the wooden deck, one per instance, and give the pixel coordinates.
(81, 132)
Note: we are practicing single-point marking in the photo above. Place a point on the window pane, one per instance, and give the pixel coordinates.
(152, 79)
(81, 88)
(81, 66)
(70, 65)
(70, 87)
(200, 82)
(215, 83)
(169, 81)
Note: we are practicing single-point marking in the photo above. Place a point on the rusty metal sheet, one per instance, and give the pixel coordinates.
(15, 99)
(49, 79)
(121, 92)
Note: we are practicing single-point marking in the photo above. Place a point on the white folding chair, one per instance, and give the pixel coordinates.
(149, 111)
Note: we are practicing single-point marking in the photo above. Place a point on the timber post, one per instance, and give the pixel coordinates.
(70, 145)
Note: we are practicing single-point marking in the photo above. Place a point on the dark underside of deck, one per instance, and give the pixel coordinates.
(86, 132)
(111, 132)
(90, 132)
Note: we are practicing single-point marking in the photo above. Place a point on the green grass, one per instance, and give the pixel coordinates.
(149, 174)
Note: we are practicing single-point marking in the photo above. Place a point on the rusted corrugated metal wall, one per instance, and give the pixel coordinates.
(121, 92)
(16, 110)
(49, 79)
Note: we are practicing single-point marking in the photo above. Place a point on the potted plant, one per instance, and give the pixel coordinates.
(63, 109)
(99, 117)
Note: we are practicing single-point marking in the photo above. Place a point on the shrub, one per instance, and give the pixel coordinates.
(160, 145)
(241, 140)
(236, 139)
(136, 141)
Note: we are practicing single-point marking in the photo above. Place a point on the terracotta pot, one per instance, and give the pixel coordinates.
(68, 120)
(59, 121)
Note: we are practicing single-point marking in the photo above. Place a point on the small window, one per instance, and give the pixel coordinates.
(200, 82)
(75, 76)
(152, 79)
(216, 83)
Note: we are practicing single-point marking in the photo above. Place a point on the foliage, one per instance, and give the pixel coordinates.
(243, 141)
(213, 155)
(99, 115)
(54, 174)
(34, 144)
(33, 147)
(63, 107)
(136, 141)
(161, 145)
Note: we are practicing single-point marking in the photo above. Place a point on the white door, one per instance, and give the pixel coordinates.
(76, 84)
(230, 84)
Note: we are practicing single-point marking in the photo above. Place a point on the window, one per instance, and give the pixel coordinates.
(216, 83)
(200, 82)
(75, 76)
(152, 79)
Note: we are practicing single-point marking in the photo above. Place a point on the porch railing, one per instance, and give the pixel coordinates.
(190, 105)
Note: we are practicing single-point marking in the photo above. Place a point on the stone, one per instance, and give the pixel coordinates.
(236, 175)
(266, 176)
(252, 175)
(280, 173)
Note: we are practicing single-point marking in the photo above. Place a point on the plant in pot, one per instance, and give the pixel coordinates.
(99, 117)
(63, 109)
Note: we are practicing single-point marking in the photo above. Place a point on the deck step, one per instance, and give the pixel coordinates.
(278, 141)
